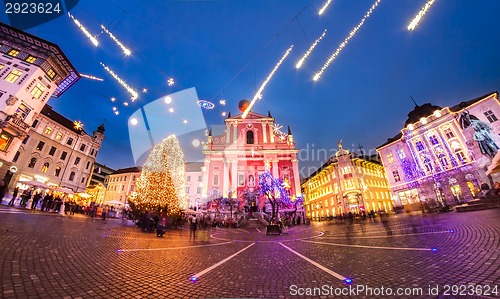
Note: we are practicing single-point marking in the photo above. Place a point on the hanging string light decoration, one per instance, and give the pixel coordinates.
(84, 30)
(161, 185)
(91, 77)
(125, 50)
(258, 94)
(309, 51)
(414, 23)
(345, 42)
(205, 104)
(322, 10)
(132, 91)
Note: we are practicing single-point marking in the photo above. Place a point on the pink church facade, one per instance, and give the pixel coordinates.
(234, 160)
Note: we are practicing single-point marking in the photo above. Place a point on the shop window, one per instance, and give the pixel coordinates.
(5, 141)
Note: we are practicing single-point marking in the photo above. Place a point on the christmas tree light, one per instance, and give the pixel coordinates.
(309, 51)
(122, 46)
(346, 41)
(161, 186)
(414, 23)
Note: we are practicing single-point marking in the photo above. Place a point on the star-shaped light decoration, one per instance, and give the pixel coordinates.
(222, 102)
(78, 125)
(170, 81)
(113, 99)
(145, 90)
(116, 112)
(125, 103)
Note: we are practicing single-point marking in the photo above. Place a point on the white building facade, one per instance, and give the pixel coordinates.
(194, 184)
(121, 185)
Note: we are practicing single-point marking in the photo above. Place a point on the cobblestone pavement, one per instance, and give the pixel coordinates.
(44, 255)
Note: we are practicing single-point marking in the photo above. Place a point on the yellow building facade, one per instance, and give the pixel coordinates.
(346, 183)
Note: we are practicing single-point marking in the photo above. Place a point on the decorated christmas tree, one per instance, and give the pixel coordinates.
(161, 186)
(275, 191)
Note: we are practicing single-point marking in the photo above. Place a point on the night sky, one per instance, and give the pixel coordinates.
(225, 49)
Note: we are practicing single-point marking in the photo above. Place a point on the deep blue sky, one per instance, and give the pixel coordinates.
(363, 98)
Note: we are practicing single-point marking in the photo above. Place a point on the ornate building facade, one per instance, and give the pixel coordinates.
(57, 152)
(248, 146)
(121, 184)
(346, 183)
(31, 71)
(442, 154)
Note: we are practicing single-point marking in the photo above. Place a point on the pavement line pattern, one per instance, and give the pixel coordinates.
(373, 247)
(389, 236)
(172, 248)
(257, 229)
(199, 274)
(242, 230)
(334, 274)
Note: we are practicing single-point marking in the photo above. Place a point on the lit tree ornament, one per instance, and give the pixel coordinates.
(322, 10)
(91, 77)
(275, 191)
(125, 50)
(258, 94)
(414, 23)
(309, 51)
(345, 42)
(84, 30)
(161, 185)
(205, 104)
(134, 93)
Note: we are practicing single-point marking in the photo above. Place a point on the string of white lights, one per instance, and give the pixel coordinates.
(345, 42)
(309, 51)
(91, 77)
(322, 10)
(414, 23)
(122, 46)
(258, 94)
(134, 93)
(84, 30)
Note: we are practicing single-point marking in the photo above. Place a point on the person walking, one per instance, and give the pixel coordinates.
(192, 226)
(14, 194)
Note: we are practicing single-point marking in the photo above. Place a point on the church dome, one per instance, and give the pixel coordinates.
(418, 112)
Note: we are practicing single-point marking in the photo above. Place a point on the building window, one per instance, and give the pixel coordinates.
(390, 158)
(241, 180)
(30, 59)
(427, 164)
(199, 178)
(88, 164)
(13, 52)
(91, 151)
(72, 176)
(5, 140)
(22, 111)
(401, 154)
(433, 139)
(216, 180)
(198, 190)
(443, 160)
(52, 151)
(25, 140)
(32, 163)
(37, 91)
(83, 180)
(449, 133)
(57, 171)
(40, 145)
(51, 73)
(59, 136)
(250, 137)
(187, 190)
(419, 146)
(77, 160)
(70, 141)
(63, 155)
(396, 176)
(82, 147)
(35, 123)
(13, 76)
(490, 116)
(48, 130)
(188, 179)
(460, 155)
(16, 156)
(45, 167)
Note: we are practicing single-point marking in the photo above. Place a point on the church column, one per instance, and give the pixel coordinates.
(234, 174)
(225, 182)
(264, 132)
(235, 132)
(275, 168)
(228, 133)
(296, 177)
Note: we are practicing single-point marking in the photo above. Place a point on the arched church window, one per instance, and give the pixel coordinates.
(250, 137)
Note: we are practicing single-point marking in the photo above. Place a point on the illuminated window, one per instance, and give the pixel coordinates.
(443, 160)
(30, 59)
(45, 167)
(40, 145)
(427, 164)
(401, 154)
(13, 52)
(5, 140)
(13, 76)
(250, 137)
(460, 155)
(51, 73)
(48, 130)
(32, 163)
(396, 176)
(22, 111)
(490, 116)
(433, 139)
(1, 66)
(390, 158)
(449, 133)
(37, 91)
(59, 136)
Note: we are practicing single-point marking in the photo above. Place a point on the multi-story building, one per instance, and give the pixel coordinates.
(346, 183)
(100, 174)
(57, 152)
(441, 154)
(31, 71)
(248, 147)
(121, 184)
(194, 184)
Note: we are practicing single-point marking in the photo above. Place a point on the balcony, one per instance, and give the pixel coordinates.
(17, 122)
